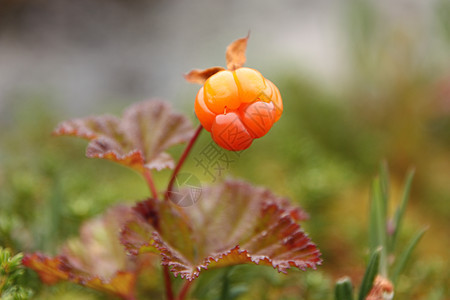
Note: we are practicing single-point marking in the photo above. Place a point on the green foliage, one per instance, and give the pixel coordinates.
(399, 213)
(11, 272)
(384, 232)
(369, 275)
(383, 236)
(405, 255)
(377, 227)
(343, 289)
(224, 284)
(235, 223)
(322, 153)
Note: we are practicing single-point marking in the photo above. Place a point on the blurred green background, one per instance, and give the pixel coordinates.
(362, 82)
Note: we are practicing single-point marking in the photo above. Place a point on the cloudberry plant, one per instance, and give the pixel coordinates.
(233, 223)
(236, 105)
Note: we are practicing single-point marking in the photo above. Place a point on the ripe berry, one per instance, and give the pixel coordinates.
(237, 107)
(230, 133)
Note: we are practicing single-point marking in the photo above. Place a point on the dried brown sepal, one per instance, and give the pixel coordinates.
(233, 223)
(200, 76)
(96, 259)
(382, 289)
(235, 54)
(138, 140)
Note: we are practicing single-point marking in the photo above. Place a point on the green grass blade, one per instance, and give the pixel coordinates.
(378, 225)
(398, 217)
(374, 241)
(369, 275)
(343, 289)
(384, 187)
(405, 255)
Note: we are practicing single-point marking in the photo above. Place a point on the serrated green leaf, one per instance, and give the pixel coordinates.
(343, 289)
(232, 223)
(370, 274)
(405, 255)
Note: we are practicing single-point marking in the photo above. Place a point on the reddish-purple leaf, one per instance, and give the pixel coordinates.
(233, 223)
(91, 128)
(200, 76)
(235, 54)
(96, 259)
(138, 140)
(161, 218)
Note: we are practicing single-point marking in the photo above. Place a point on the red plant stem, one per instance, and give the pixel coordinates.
(184, 290)
(181, 161)
(151, 184)
(168, 283)
(149, 179)
(166, 272)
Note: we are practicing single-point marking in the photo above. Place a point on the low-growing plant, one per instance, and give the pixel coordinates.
(184, 229)
(386, 264)
(11, 270)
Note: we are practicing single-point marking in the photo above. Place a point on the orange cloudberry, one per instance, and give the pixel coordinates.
(236, 105)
